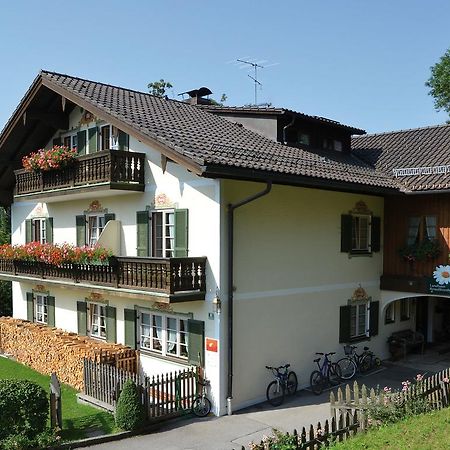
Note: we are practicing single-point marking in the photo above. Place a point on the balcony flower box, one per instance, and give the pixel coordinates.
(426, 250)
(45, 160)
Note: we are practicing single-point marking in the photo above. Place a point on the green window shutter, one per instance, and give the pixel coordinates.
(28, 230)
(81, 230)
(346, 233)
(142, 226)
(57, 141)
(111, 327)
(196, 342)
(181, 233)
(49, 230)
(344, 324)
(130, 327)
(30, 307)
(51, 311)
(82, 318)
(375, 231)
(374, 311)
(123, 141)
(93, 139)
(109, 217)
(81, 142)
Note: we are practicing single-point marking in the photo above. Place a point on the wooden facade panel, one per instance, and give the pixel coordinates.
(398, 210)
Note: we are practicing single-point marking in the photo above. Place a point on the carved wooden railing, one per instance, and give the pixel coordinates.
(165, 275)
(107, 166)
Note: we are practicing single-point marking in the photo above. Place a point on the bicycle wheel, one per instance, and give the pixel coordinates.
(292, 383)
(275, 393)
(348, 368)
(201, 406)
(365, 364)
(334, 372)
(316, 381)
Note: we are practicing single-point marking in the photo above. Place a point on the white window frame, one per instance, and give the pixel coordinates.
(41, 308)
(406, 301)
(358, 248)
(167, 252)
(73, 139)
(98, 229)
(389, 313)
(42, 238)
(95, 312)
(365, 304)
(148, 335)
(113, 137)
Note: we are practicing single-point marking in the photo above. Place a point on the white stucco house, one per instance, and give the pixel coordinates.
(243, 237)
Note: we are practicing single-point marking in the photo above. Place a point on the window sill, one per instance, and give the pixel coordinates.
(173, 359)
(359, 339)
(354, 254)
(389, 322)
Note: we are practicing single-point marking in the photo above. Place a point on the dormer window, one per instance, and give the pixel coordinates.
(303, 138)
(332, 144)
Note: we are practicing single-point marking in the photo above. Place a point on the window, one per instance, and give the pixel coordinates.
(164, 334)
(41, 308)
(39, 230)
(163, 233)
(358, 320)
(95, 225)
(332, 144)
(421, 229)
(97, 320)
(405, 309)
(109, 137)
(70, 141)
(303, 138)
(360, 233)
(389, 315)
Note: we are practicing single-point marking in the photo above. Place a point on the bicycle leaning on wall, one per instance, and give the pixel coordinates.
(326, 373)
(352, 362)
(284, 382)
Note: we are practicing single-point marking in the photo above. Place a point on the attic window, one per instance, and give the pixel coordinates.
(303, 138)
(332, 144)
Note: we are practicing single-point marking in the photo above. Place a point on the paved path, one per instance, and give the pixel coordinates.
(231, 432)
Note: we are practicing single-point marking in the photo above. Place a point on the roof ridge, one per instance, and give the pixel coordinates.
(42, 71)
(404, 130)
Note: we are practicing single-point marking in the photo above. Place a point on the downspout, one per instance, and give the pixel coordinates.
(289, 125)
(230, 212)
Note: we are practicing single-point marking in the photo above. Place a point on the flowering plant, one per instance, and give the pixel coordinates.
(55, 254)
(421, 251)
(44, 160)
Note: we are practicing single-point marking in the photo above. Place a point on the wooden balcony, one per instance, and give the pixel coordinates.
(108, 169)
(178, 279)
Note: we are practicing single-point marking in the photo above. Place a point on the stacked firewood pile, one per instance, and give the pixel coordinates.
(48, 350)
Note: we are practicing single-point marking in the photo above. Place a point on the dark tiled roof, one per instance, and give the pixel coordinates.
(276, 111)
(415, 148)
(210, 140)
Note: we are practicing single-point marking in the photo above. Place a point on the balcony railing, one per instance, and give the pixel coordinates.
(164, 275)
(121, 169)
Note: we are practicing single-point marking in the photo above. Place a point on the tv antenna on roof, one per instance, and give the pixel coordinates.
(255, 78)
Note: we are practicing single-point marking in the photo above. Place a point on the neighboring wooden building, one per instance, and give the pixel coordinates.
(154, 181)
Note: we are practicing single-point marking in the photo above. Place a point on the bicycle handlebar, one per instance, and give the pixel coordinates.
(278, 368)
(326, 354)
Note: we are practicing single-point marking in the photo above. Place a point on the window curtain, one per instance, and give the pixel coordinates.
(413, 232)
(430, 223)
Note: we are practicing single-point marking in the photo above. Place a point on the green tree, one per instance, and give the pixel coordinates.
(158, 88)
(130, 413)
(439, 83)
(5, 286)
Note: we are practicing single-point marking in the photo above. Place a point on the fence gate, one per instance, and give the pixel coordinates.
(163, 395)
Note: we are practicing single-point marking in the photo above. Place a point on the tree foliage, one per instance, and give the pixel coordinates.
(158, 88)
(130, 413)
(5, 286)
(439, 83)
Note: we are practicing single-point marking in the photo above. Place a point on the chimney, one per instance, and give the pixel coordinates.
(196, 96)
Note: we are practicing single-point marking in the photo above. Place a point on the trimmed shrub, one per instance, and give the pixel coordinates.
(130, 412)
(19, 442)
(24, 408)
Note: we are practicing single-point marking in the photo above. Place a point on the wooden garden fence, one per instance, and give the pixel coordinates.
(163, 395)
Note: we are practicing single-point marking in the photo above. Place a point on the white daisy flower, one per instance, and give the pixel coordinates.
(442, 274)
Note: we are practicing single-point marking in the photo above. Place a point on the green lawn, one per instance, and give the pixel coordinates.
(77, 419)
(424, 432)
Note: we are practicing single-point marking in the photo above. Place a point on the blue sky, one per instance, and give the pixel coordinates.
(363, 63)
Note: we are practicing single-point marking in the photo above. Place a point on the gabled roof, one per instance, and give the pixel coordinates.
(422, 149)
(205, 143)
